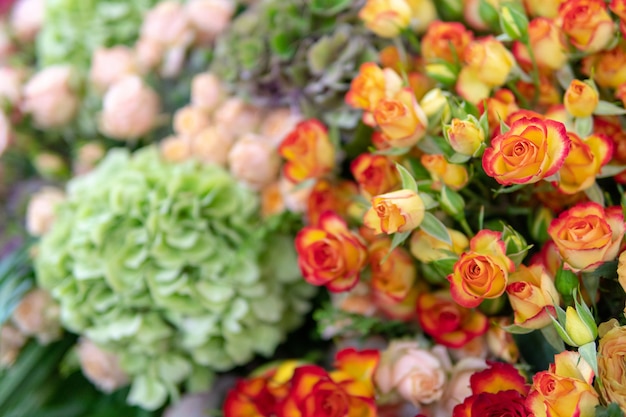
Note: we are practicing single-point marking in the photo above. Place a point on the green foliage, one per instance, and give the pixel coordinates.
(16, 278)
(170, 267)
(611, 410)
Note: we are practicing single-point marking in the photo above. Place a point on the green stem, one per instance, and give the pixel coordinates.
(535, 73)
(397, 41)
(466, 227)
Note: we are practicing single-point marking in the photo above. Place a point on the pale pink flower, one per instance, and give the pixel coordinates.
(149, 54)
(50, 98)
(37, 315)
(254, 162)
(27, 18)
(296, 197)
(210, 17)
(190, 120)
(110, 65)
(212, 145)
(239, 116)
(279, 123)
(130, 109)
(11, 85)
(41, 211)
(100, 367)
(168, 24)
(175, 148)
(206, 91)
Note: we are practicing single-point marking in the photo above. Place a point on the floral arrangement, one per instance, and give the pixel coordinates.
(310, 208)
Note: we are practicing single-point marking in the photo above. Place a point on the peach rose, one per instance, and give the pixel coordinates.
(501, 342)
(531, 150)
(397, 211)
(533, 295)
(308, 151)
(278, 123)
(27, 17)
(294, 196)
(621, 270)
(580, 99)
(210, 17)
(253, 161)
(100, 367)
(548, 44)
(401, 119)
(330, 254)
(149, 54)
(588, 235)
(41, 211)
(386, 18)
(417, 374)
(168, 25)
(88, 157)
(445, 40)
(175, 148)
(50, 98)
(206, 91)
(238, 116)
(190, 120)
(584, 162)
(427, 248)
(612, 362)
(491, 60)
(587, 24)
(110, 65)
(565, 389)
(212, 144)
(130, 109)
(481, 273)
(37, 315)
(375, 174)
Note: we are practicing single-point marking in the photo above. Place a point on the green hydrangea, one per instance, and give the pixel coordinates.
(75, 28)
(170, 267)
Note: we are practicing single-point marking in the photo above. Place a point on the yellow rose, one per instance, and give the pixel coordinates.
(491, 60)
(464, 136)
(584, 161)
(532, 294)
(398, 211)
(581, 99)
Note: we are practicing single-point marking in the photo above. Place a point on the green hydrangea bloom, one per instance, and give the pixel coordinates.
(170, 267)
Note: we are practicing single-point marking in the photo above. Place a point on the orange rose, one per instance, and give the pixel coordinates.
(532, 150)
(447, 322)
(445, 40)
(398, 211)
(532, 295)
(401, 119)
(612, 362)
(371, 85)
(608, 67)
(442, 172)
(393, 279)
(329, 196)
(564, 390)
(581, 99)
(548, 45)
(375, 174)
(330, 254)
(482, 272)
(587, 24)
(584, 161)
(543, 8)
(386, 18)
(588, 235)
(308, 151)
(490, 59)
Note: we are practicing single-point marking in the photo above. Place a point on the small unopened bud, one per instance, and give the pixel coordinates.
(443, 72)
(513, 21)
(516, 246)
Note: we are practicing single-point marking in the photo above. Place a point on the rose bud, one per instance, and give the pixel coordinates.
(210, 17)
(587, 24)
(435, 105)
(478, 20)
(27, 17)
(498, 108)
(254, 162)
(482, 272)
(375, 174)
(465, 136)
(565, 388)
(100, 367)
(41, 211)
(531, 150)
(175, 148)
(149, 54)
(580, 329)
(401, 119)
(37, 315)
(189, 121)
(454, 176)
(397, 211)
(581, 99)
(278, 123)
(612, 363)
(491, 60)
(588, 235)
(50, 98)
(212, 145)
(308, 151)
(110, 65)
(609, 67)
(532, 295)
(239, 116)
(88, 157)
(584, 162)
(445, 40)
(130, 109)
(206, 91)
(330, 254)
(386, 18)
(427, 248)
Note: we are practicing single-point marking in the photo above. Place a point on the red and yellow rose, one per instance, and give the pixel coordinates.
(447, 322)
(445, 40)
(587, 24)
(565, 389)
(397, 211)
(584, 162)
(530, 151)
(533, 295)
(308, 151)
(386, 18)
(588, 235)
(482, 272)
(330, 254)
(401, 119)
(465, 136)
(580, 99)
(375, 174)
(371, 85)
(330, 196)
(607, 67)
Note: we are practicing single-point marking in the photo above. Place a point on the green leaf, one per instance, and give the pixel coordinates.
(589, 354)
(595, 194)
(566, 281)
(508, 190)
(604, 108)
(583, 126)
(504, 127)
(459, 158)
(398, 239)
(515, 329)
(434, 227)
(611, 410)
(408, 182)
(555, 335)
(429, 201)
(610, 170)
(328, 7)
